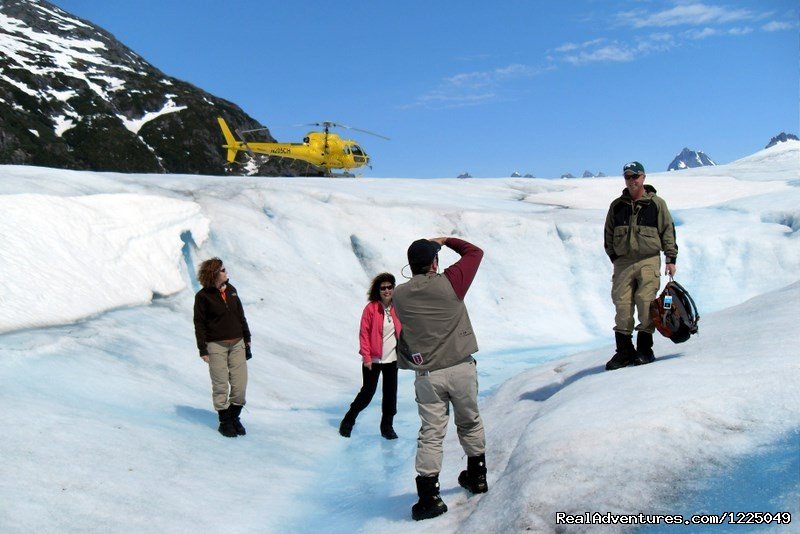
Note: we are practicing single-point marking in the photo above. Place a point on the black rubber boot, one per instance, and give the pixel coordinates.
(235, 410)
(644, 349)
(430, 503)
(346, 426)
(474, 478)
(387, 431)
(226, 427)
(625, 352)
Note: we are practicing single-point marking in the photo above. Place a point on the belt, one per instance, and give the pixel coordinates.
(468, 359)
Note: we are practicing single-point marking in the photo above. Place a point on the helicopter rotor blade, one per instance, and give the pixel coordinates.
(367, 132)
(331, 124)
(253, 130)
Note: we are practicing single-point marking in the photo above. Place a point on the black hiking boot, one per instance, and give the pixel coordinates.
(237, 424)
(430, 505)
(387, 431)
(226, 427)
(644, 349)
(346, 426)
(474, 478)
(625, 352)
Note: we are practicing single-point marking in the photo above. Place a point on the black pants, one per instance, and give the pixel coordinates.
(370, 378)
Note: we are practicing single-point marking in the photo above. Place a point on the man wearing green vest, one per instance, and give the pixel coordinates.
(437, 343)
(638, 227)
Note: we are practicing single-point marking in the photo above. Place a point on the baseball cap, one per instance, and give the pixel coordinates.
(422, 251)
(634, 167)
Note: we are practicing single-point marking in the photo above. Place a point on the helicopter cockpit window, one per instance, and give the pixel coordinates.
(357, 150)
(346, 150)
(305, 140)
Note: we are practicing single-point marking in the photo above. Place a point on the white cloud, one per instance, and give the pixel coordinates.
(740, 31)
(693, 14)
(661, 37)
(701, 34)
(567, 47)
(776, 26)
(443, 99)
(615, 51)
(473, 88)
(710, 21)
(469, 79)
(516, 70)
(711, 32)
(491, 77)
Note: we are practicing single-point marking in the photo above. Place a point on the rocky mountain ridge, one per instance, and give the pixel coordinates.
(690, 159)
(72, 96)
(781, 138)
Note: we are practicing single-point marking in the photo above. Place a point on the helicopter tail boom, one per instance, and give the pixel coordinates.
(230, 142)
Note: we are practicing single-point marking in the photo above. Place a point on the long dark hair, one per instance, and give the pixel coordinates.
(374, 293)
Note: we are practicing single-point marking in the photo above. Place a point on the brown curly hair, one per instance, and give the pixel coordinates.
(374, 293)
(208, 271)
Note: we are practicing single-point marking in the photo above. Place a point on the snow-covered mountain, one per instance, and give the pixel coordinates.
(690, 159)
(109, 422)
(781, 138)
(72, 96)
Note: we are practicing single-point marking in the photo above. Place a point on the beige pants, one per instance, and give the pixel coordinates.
(635, 284)
(228, 368)
(457, 385)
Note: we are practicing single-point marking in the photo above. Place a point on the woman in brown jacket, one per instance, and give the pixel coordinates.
(223, 339)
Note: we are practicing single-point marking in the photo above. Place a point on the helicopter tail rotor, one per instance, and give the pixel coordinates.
(231, 143)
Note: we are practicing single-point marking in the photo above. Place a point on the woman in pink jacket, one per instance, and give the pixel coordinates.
(378, 336)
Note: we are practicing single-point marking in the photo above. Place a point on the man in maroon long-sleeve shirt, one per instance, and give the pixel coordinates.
(438, 342)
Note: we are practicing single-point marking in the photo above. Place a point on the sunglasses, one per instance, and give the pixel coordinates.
(631, 176)
(387, 288)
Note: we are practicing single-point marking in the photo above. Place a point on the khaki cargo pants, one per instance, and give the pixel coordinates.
(436, 390)
(228, 368)
(635, 283)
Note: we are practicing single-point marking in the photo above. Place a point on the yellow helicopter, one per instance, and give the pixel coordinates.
(323, 150)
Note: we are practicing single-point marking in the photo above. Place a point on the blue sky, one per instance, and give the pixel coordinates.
(540, 87)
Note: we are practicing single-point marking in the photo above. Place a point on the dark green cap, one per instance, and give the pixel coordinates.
(633, 166)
